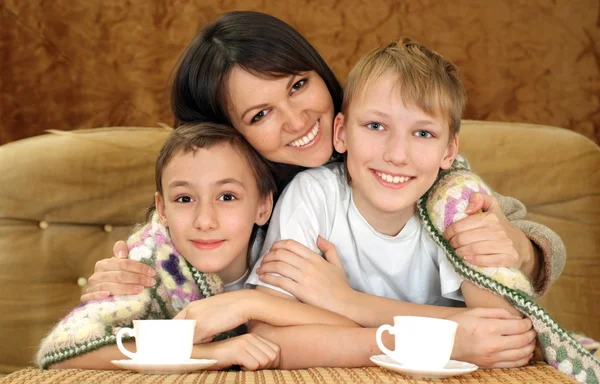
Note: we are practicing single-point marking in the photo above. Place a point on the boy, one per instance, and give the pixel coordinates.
(213, 191)
(398, 127)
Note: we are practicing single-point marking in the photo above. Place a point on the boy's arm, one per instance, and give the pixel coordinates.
(96, 359)
(476, 297)
(249, 351)
(231, 309)
(489, 338)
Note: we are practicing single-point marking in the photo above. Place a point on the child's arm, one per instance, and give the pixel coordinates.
(229, 310)
(476, 297)
(249, 351)
(96, 359)
(490, 338)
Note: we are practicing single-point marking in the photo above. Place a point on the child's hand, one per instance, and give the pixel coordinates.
(250, 351)
(485, 237)
(217, 314)
(118, 276)
(493, 338)
(305, 274)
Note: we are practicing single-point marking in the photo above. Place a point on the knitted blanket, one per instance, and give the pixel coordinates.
(444, 204)
(95, 324)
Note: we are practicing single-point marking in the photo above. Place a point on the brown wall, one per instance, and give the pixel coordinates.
(68, 64)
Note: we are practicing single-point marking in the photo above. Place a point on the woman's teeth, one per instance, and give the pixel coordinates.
(306, 139)
(392, 179)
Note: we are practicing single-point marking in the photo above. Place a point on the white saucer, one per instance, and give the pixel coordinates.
(453, 368)
(159, 368)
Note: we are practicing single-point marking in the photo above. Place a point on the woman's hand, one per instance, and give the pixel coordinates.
(488, 239)
(250, 351)
(493, 338)
(314, 280)
(218, 313)
(118, 276)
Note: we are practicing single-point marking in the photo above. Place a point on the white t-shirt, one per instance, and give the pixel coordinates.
(408, 267)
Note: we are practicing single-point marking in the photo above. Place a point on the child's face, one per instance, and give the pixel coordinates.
(394, 153)
(210, 204)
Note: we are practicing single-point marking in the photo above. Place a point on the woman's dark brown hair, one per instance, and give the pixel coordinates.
(255, 42)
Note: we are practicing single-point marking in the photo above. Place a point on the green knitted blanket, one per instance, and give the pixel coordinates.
(444, 204)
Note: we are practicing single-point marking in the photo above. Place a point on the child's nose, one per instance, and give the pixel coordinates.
(396, 149)
(206, 218)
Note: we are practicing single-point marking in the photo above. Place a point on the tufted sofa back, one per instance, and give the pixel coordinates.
(66, 197)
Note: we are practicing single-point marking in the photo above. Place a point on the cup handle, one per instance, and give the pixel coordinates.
(380, 330)
(125, 351)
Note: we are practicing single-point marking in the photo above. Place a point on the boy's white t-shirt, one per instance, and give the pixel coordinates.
(408, 267)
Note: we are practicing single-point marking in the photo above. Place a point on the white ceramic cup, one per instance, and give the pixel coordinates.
(420, 342)
(160, 340)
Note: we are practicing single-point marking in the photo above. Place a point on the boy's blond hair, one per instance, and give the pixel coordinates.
(425, 79)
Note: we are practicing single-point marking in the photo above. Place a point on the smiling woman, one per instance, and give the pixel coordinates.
(287, 120)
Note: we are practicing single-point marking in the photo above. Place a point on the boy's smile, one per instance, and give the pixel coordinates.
(394, 153)
(210, 204)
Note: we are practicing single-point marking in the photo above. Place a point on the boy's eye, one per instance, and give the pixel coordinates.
(227, 197)
(298, 84)
(375, 126)
(184, 199)
(259, 116)
(423, 134)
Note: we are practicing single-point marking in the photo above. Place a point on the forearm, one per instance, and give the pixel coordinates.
(97, 359)
(282, 312)
(476, 297)
(373, 311)
(322, 345)
(542, 250)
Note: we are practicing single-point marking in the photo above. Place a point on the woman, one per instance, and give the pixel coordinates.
(258, 74)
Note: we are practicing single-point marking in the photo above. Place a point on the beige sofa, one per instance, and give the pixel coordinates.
(66, 197)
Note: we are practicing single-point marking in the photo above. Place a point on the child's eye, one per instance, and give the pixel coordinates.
(227, 197)
(375, 126)
(184, 199)
(298, 85)
(423, 134)
(259, 116)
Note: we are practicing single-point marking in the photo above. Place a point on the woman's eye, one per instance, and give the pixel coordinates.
(259, 116)
(184, 199)
(227, 197)
(423, 134)
(298, 84)
(375, 126)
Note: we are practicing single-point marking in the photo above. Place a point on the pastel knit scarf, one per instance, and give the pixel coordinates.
(94, 324)
(446, 203)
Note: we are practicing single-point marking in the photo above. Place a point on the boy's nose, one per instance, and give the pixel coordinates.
(205, 218)
(396, 150)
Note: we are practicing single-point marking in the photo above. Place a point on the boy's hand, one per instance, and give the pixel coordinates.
(493, 338)
(118, 276)
(487, 239)
(314, 280)
(217, 314)
(250, 351)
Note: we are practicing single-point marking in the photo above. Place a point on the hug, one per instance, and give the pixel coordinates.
(293, 218)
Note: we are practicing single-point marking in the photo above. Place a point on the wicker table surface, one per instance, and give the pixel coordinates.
(535, 373)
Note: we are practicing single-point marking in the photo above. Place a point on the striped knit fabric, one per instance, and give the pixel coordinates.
(445, 203)
(95, 324)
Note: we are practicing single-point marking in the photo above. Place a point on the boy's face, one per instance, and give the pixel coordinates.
(210, 204)
(394, 153)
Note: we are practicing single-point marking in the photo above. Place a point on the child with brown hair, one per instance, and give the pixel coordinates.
(213, 192)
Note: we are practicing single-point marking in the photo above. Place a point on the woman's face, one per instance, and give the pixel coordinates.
(287, 120)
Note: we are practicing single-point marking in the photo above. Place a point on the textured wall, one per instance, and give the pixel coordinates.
(70, 64)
